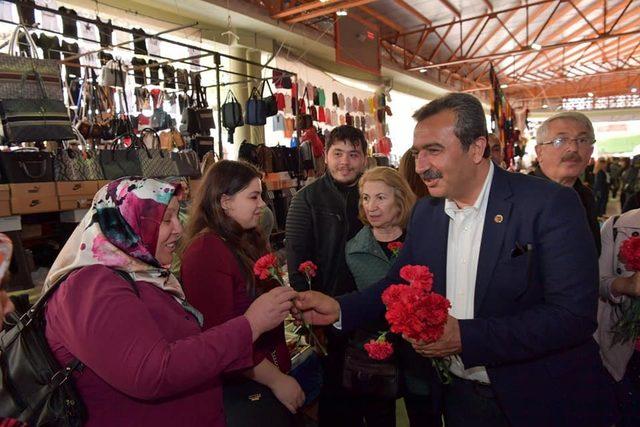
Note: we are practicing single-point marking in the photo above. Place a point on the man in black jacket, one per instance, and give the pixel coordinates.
(564, 147)
(322, 217)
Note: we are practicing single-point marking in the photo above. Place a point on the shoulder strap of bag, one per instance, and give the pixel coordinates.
(265, 82)
(13, 43)
(255, 94)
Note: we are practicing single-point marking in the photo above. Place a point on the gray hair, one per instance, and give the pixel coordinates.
(470, 120)
(541, 134)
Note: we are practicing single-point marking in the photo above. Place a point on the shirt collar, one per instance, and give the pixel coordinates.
(451, 208)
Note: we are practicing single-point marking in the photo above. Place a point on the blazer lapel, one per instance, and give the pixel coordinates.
(495, 226)
(436, 245)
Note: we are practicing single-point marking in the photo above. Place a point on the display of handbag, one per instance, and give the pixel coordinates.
(364, 376)
(113, 74)
(161, 120)
(171, 139)
(26, 165)
(197, 118)
(187, 163)
(116, 163)
(77, 164)
(95, 108)
(256, 109)
(155, 162)
(271, 103)
(13, 67)
(40, 119)
(231, 115)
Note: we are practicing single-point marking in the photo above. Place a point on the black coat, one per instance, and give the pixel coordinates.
(319, 223)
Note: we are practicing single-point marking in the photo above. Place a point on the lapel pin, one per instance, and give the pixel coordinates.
(498, 219)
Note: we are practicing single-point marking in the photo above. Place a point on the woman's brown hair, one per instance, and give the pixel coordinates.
(407, 169)
(206, 214)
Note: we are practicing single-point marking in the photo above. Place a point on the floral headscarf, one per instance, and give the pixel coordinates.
(120, 231)
(6, 249)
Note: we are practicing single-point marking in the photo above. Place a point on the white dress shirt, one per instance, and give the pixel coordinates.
(463, 250)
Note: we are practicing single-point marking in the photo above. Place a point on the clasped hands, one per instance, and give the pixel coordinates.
(319, 309)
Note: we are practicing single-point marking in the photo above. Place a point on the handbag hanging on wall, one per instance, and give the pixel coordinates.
(155, 162)
(117, 163)
(13, 67)
(27, 165)
(271, 103)
(232, 115)
(256, 109)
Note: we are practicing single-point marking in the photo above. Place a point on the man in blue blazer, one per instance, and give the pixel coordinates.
(515, 257)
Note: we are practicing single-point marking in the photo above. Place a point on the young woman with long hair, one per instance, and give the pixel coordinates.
(221, 245)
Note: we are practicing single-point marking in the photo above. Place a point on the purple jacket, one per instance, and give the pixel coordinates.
(147, 361)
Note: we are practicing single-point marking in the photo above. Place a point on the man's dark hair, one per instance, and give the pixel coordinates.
(470, 120)
(347, 133)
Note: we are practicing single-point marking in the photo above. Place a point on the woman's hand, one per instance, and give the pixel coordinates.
(627, 285)
(269, 310)
(288, 392)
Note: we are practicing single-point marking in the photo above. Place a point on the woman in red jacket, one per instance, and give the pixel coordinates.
(222, 244)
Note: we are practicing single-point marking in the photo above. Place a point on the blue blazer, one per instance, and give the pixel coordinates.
(535, 301)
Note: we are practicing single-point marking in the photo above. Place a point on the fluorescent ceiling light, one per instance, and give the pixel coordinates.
(536, 46)
(590, 94)
(504, 86)
(545, 106)
(423, 70)
(342, 12)
(634, 89)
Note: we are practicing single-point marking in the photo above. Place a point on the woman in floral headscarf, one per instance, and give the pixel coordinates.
(146, 360)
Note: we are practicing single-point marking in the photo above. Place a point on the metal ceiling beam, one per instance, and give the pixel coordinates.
(583, 54)
(332, 8)
(451, 7)
(472, 18)
(489, 5)
(299, 9)
(577, 33)
(386, 21)
(527, 50)
(413, 11)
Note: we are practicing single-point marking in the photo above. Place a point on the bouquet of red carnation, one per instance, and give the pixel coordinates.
(416, 312)
(627, 328)
(379, 349)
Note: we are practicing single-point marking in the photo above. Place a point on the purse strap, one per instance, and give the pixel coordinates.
(13, 43)
(265, 82)
(255, 94)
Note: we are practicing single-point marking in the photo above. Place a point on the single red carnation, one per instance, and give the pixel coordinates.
(265, 266)
(630, 253)
(395, 247)
(379, 350)
(418, 276)
(308, 268)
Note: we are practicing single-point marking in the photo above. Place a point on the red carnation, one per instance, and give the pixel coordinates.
(630, 253)
(395, 247)
(266, 266)
(308, 268)
(417, 275)
(380, 349)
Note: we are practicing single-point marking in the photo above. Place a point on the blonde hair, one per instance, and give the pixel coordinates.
(403, 195)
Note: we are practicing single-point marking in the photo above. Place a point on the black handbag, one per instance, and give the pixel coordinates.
(248, 403)
(232, 115)
(117, 163)
(256, 109)
(27, 165)
(271, 104)
(35, 388)
(364, 376)
(187, 163)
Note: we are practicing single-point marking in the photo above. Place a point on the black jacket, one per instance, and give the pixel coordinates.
(589, 203)
(319, 223)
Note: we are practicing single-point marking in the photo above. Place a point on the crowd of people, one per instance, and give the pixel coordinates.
(533, 281)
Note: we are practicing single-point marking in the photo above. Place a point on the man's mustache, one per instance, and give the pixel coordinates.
(430, 174)
(571, 157)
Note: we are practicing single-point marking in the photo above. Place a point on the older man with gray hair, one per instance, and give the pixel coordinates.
(564, 147)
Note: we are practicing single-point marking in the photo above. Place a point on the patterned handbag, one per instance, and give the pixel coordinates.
(67, 164)
(12, 68)
(155, 163)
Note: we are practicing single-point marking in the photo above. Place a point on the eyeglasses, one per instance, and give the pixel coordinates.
(561, 141)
